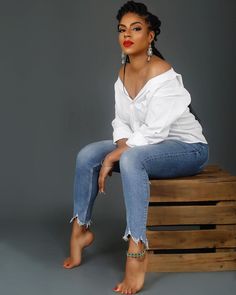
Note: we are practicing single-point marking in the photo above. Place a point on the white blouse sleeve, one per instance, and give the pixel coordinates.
(121, 129)
(166, 105)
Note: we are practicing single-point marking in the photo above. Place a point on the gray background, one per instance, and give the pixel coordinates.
(59, 62)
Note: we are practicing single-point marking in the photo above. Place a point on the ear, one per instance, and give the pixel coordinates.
(151, 36)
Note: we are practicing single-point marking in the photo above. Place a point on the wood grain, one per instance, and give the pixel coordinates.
(205, 189)
(192, 239)
(220, 261)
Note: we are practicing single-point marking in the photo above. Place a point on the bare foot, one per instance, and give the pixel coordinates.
(80, 238)
(134, 272)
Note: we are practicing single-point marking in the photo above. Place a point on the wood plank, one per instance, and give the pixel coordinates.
(226, 250)
(213, 173)
(205, 174)
(209, 175)
(173, 190)
(192, 180)
(192, 239)
(201, 176)
(212, 168)
(229, 226)
(223, 203)
(196, 262)
(177, 215)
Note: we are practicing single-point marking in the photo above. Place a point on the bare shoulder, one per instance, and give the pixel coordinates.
(158, 66)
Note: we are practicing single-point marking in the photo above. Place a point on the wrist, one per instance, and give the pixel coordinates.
(121, 142)
(107, 162)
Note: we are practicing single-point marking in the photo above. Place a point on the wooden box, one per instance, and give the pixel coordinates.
(191, 223)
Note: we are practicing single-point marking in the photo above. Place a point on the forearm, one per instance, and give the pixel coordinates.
(116, 154)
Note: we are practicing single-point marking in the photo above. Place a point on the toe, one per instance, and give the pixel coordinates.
(117, 288)
(120, 290)
(67, 265)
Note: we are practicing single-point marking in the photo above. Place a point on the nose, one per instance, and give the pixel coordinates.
(127, 33)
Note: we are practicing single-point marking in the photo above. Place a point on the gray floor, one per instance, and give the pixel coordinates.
(32, 254)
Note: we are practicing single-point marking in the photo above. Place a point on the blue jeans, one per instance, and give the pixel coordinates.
(167, 159)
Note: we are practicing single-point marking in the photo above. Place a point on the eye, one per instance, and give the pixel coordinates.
(137, 29)
(121, 30)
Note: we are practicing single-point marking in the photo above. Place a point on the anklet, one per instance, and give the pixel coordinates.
(136, 255)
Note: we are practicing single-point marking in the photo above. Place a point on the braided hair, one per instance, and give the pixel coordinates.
(153, 21)
(154, 24)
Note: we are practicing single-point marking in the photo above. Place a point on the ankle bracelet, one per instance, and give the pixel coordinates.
(136, 255)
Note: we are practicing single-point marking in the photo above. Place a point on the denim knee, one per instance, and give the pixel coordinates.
(129, 159)
(81, 157)
(85, 155)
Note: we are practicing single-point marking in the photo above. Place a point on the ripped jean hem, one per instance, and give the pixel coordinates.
(87, 224)
(136, 240)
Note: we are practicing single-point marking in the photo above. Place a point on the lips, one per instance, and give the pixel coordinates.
(128, 43)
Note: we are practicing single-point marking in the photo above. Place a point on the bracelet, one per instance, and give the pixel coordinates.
(106, 166)
(136, 255)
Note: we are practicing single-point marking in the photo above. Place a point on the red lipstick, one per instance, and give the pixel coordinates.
(128, 43)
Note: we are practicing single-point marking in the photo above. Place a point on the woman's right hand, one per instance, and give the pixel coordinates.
(108, 164)
(105, 170)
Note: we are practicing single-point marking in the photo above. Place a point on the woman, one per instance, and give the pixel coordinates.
(155, 136)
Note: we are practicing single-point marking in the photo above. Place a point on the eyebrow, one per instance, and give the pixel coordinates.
(130, 24)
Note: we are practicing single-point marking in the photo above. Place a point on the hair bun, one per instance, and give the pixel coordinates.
(141, 9)
(137, 6)
(132, 6)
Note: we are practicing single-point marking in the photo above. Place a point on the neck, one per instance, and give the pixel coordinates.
(138, 62)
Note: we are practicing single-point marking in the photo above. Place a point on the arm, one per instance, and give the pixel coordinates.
(108, 163)
(121, 142)
(121, 133)
(121, 129)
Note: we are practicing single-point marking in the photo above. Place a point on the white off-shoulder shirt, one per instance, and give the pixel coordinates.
(159, 111)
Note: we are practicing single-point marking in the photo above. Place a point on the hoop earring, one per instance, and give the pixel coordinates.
(123, 58)
(149, 52)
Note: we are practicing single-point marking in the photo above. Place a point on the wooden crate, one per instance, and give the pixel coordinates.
(191, 223)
